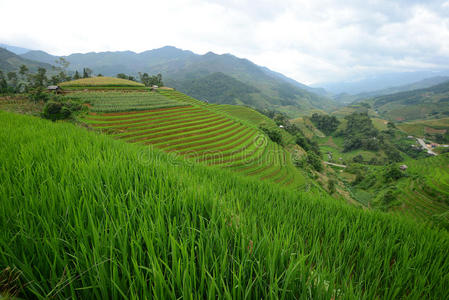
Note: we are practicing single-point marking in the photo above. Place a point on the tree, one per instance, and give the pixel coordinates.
(3, 83)
(325, 123)
(77, 75)
(393, 173)
(13, 80)
(23, 71)
(54, 80)
(315, 161)
(273, 133)
(87, 72)
(40, 78)
(148, 80)
(63, 63)
(122, 76)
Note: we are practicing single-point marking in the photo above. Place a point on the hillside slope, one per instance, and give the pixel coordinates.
(176, 123)
(426, 103)
(421, 84)
(181, 69)
(12, 62)
(84, 216)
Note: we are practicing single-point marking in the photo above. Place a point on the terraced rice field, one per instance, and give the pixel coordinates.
(426, 192)
(101, 81)
(200, 132)
(122, 102)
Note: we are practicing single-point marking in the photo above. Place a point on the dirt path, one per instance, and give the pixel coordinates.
(335, 165)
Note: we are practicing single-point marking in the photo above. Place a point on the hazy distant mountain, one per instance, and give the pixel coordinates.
(12, 62)
(422, 84)
(185, 70)
(432, 102)
(380, 82)
(39, 55)
(14, 49)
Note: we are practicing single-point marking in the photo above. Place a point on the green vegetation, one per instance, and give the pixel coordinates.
(428, 103)
(101, 82)
(219, 88)
(360, 133)
(84, 216)
(196, 131)
(124, 101)
(436, 130)
(59, 110)
(325, 123)
(420, 192)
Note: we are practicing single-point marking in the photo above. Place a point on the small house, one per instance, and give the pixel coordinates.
(154, 88)
(281, 126)
(403, 167)
(54, 88)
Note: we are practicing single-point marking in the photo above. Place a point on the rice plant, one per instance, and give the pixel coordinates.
(84, 216)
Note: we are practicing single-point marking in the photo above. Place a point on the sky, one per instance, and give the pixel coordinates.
(309, 41)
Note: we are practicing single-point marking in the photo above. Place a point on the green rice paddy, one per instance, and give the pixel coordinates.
(84, 216)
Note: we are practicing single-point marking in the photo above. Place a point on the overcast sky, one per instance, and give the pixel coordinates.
(309, 40)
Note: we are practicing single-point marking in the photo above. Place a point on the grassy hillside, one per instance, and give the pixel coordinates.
(176, 123)
(426, 103)
(85, 216)
(101, 81)
(430, 129)
(421, 192)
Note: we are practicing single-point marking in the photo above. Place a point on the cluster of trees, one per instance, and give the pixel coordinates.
(24, 81)
(145, 78)
(59, 109)
(150, 80)
(360, 133)
(313, 156)
(127, 77)
(325, 123)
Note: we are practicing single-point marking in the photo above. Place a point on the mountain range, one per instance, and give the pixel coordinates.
(228, 79)
(216, 78)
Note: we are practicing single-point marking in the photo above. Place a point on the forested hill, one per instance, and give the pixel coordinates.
(11, 62)
(425, 103)
(188, 72)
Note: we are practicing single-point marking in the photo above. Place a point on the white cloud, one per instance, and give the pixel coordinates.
(310, 41)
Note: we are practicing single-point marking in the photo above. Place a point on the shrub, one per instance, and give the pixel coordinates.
(315, 161)
(331, 186)
(274, 134)
(393, 173)
(57, 110)
(38, 94)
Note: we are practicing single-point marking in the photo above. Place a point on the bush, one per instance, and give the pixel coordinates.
(393, 173)
(325, 123)
(38, 94)
(331, 186)
(56, 110)
(388, 197)
(274, 134)
(315, 161)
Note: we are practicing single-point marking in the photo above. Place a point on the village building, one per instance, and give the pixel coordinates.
(54, 88)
